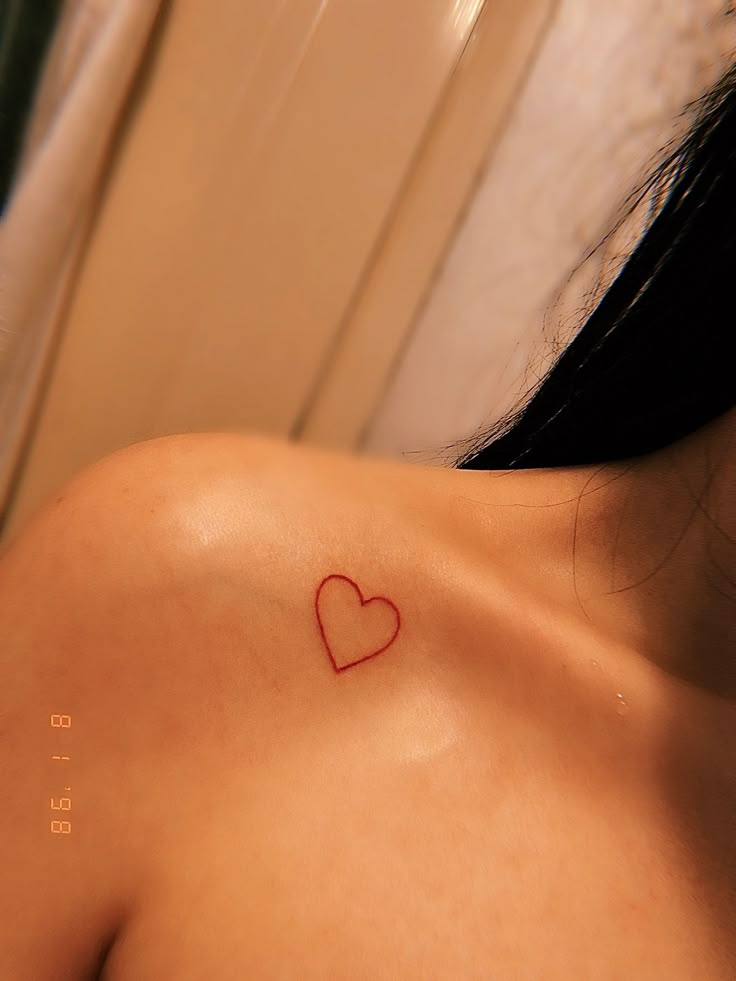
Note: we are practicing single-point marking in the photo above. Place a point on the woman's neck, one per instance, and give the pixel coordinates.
(643, 548)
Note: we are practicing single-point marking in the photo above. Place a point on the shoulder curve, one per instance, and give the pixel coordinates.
(131, 495)
(88, 595)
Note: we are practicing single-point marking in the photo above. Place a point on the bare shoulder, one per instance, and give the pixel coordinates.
(265, 651)
(185, 495)
(186, 540)
(158, 619)
(95, 593)
(145, 490)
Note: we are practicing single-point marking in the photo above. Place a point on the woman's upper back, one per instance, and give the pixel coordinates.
(272, 776)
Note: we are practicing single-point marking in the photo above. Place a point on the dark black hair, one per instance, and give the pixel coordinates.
(656, 359)
(26, 30)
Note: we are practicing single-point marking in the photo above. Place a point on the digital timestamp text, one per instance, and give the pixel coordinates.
(59, 825)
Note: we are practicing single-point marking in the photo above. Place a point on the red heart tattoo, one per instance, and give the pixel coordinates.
(352, 633)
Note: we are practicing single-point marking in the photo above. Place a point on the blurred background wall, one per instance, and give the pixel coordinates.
(602, 97)
(304, 218)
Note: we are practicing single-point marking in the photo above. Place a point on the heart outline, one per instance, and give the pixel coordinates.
(363, 603)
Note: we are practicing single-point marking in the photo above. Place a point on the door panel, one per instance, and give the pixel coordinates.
(277, 153)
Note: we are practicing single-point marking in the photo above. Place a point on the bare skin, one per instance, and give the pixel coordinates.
(533, 778)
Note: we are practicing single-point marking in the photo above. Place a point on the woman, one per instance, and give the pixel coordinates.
(300, 715)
